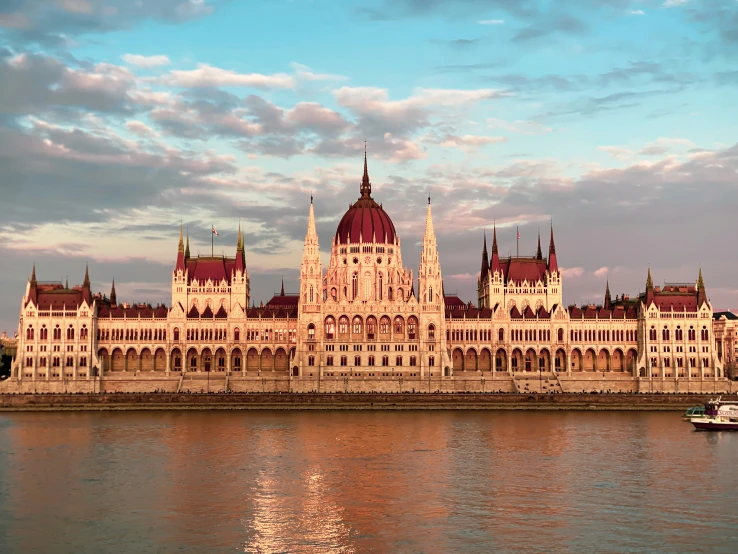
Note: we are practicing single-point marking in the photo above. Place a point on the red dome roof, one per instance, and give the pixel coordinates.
(365, 220)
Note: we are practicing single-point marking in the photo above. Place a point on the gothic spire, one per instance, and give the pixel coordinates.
(112, 295)
(485, 258)
(650, 296)
(33, 276)
(86, 282)
(701, 292)
(553, 264)
(366, 186)
(281, 292)
(180, 248)
(187, 248)
(494, 263)
(608, 297)
(539, 254)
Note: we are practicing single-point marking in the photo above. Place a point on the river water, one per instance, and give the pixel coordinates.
(385, 482)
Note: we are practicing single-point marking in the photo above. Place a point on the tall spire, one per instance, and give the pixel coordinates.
(553, 264)
(494, 263)
(608, 297)
(112, 295)
(539, 254)
(240, 253)
(187, 248)
(366, 186)
(33, 276)
(311, 231)
(485, 258)
(180, 248)
(650, 296)
(86, 282)
(86, 292)
(701, 292)
(281, 292)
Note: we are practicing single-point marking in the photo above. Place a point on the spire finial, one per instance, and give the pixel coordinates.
(33, 274)
(86, 282)
(187, 247)
(366, 186)
(539, 254)
(281, 292)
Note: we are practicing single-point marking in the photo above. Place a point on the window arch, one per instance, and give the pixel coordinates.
(343, 323)
(665, 333)
(70, 333)
(705, 334)
(399, 326)
(354, 286)
(692, 333)
(83, 332)
(237, 334)
(678, 335)
(29, 333)
(330, 327)
(44, 333)
(389, 293)
(431, 332)
(176, 333)
(357, 325)
(371, 327)
(384, 325)
(412, 328)
(501, 335)
(652, 333)
(430, 293)
(381, 283)
(311, 331)
(561, 335)
(311, 294)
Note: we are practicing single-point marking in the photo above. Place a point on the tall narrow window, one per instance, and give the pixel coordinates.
(354, 286)
(380, 286)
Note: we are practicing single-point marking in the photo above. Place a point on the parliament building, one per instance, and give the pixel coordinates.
(366, 323)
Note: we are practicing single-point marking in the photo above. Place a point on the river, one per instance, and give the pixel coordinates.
(384, 482)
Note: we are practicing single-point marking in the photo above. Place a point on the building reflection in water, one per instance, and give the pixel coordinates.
(266, 482)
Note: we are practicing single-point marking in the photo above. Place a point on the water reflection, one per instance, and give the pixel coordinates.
(364, 482)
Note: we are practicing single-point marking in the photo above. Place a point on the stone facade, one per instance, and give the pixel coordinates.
(361, 325)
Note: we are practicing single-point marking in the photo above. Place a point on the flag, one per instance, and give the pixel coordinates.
(518, 235)
(215, 232)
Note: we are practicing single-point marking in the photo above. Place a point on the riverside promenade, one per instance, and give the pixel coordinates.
(350, 401)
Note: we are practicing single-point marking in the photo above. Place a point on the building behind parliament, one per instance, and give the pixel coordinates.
(366, 323)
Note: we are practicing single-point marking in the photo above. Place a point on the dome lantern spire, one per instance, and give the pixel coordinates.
(366, 186)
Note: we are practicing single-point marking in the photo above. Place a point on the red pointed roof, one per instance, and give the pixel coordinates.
(221, 313)
(207, 313)
(193, 313)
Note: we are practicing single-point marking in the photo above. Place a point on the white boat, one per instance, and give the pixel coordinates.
(719, 416)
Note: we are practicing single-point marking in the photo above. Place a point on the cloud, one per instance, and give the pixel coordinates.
(304, 73)
(601, 272)
(571, 272)
(637, 12)
(665, 145)
(491, 22)
(213, 77)
(141, 129)
(617, 152)
(519, 126)
(57, 20)
(145, 61)
(469, 143)
(672, 3)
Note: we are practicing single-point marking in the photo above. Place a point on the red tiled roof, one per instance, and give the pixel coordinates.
(221, 313)
(517, 270)
(677, 302)
(365, 221)
(214, 269)
(58, 299)
(287, 300)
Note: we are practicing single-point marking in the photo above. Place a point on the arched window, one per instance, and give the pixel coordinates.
(311, 332)
(371, 327)
(384, 325)
(561, 335)
(237, 334)
(357, 325)
(665, 333)
(431, 332)
(44, 333)
(83, 332)
(430, 293)
(678, 335)
(412, 328)
(692, 334)
(389, 293)
(399, 325)
(343, 325)
(381, 282)
(652, 333)
(176, 334)
(29, 333)
(705, 333)
(330, 327)
(70, 333)
(311, 294)
(501, 335)
(354, 286)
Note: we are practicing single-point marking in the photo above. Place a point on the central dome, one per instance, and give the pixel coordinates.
(365, 220)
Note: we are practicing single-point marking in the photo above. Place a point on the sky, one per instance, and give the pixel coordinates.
(614, 119)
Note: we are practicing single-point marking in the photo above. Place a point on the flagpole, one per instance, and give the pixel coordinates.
(212, 241)
(517, 242)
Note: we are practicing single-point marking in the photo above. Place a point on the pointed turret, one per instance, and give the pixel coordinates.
(701, 292)
(608, 298)
(429, 272)
(32, 287)
(494, 263)
(240, 253)
(86, 292)
(187, 247)
(33, 276)
(366, 186)
(485, 259)
(539, 254)
(650, 296)
(281, 291)
(552, 262)
(180, 252)
(113, 299)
